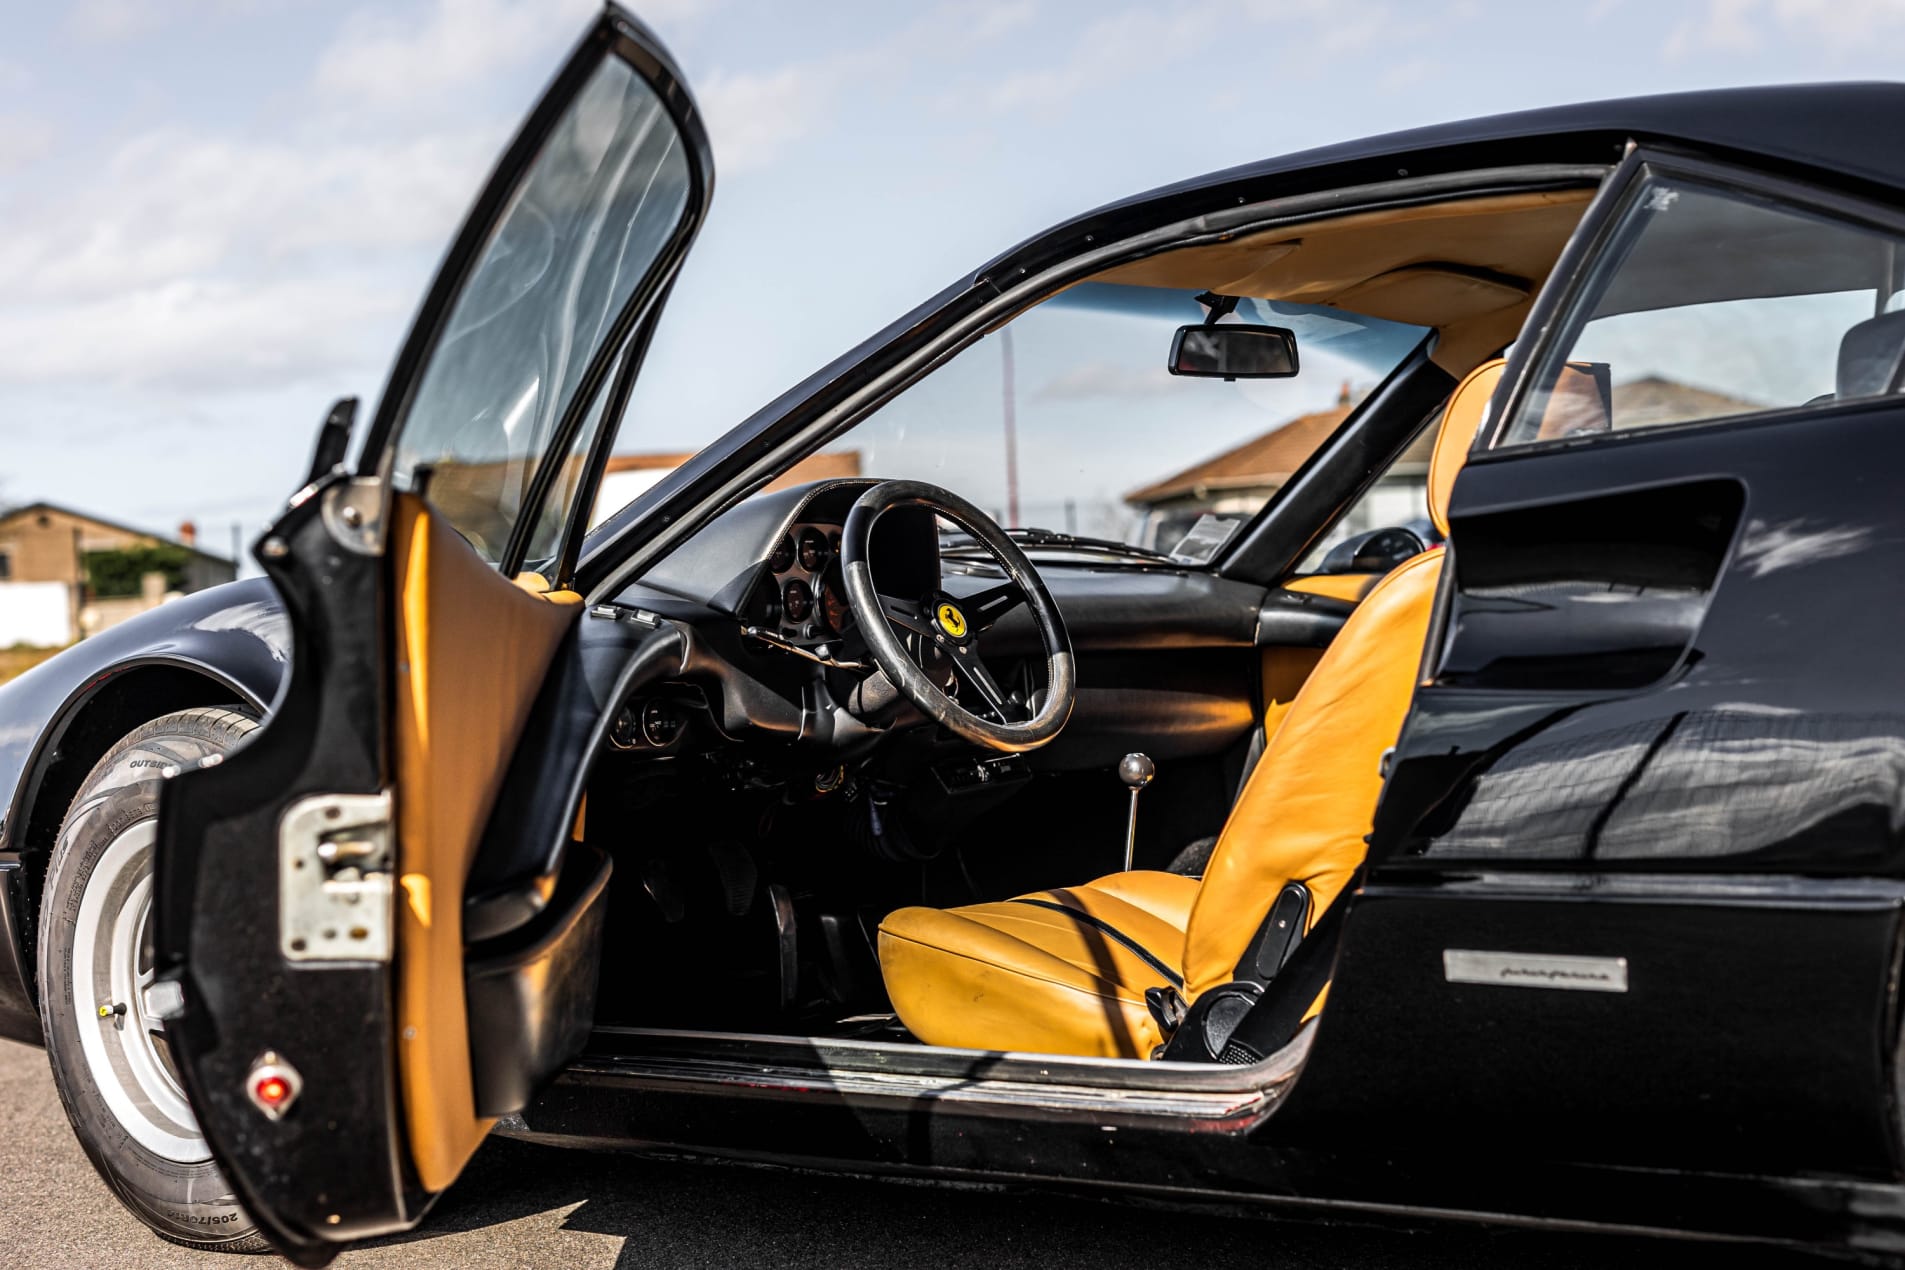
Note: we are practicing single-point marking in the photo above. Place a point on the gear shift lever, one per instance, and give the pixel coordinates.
(1136, 771)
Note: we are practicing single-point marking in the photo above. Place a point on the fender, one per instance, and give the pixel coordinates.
(229, 643)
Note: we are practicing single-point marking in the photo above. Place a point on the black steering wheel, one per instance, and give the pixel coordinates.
(944, 627)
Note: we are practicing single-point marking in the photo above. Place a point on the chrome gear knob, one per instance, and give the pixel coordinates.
(1136, 770)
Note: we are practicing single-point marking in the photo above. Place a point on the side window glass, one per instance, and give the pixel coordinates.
(1712, 303)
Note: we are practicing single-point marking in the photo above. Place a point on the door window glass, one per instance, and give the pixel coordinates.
(1711, 304)
(587, 223)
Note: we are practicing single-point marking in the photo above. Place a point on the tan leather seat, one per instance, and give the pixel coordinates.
(1065, 971)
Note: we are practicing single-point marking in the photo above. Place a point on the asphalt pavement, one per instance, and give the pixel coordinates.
(521, 1205)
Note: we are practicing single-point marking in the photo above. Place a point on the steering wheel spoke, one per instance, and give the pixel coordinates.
(983, 608)
(907, 615)
(972, 670)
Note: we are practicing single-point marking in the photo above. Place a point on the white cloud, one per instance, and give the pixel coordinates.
(1727, 26)
(751, 117)
(1841, 27)
(754, 115)
(114, 21)
(200, 336)
(1109, 48)
(173, 205)
(385, 65)
(23, 138)
(989, 19)
(111, 20)
(1139, 42)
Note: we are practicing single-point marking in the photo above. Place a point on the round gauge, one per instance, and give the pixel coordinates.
(783, 558)
(834, 612)
(833, 542)
(626, 730)
(797, 601)
(813, 549)
(662, 723)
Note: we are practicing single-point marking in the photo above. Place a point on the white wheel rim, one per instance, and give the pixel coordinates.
(125, 1045)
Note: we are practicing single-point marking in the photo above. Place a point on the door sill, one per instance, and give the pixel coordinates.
(1111, 1090)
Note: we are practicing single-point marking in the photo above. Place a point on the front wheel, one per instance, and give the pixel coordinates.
(111, 1061)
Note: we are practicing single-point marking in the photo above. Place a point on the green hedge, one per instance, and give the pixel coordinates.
(111, 574)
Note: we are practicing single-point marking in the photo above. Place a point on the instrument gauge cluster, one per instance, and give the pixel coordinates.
(804, 599)
(654, 725)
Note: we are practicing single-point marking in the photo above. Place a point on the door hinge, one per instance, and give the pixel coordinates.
(336, 857)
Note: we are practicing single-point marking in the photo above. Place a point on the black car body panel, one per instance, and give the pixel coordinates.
(227, 645)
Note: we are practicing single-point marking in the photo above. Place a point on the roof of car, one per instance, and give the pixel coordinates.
(1849, 128)
(1846, 130)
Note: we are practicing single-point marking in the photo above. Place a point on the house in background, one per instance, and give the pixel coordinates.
(625, 477)
(1243, 479)
(65, 574)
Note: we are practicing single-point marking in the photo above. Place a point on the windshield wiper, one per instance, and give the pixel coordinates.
(1032, 536)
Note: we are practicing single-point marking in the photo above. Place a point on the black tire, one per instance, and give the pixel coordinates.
(182, 1199)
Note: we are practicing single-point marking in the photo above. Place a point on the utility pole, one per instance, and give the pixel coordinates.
(1011, 431)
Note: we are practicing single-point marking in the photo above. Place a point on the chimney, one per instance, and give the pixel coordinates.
(188, 532)
(1342, 399)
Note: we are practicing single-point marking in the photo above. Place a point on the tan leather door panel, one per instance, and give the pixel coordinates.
(472, 650)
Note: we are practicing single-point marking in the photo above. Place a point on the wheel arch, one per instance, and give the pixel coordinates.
(90, 722)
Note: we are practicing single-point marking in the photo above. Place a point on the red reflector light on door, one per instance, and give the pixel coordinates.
(273, 1084)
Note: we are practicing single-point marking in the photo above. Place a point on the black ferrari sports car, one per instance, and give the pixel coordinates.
(1463, 782)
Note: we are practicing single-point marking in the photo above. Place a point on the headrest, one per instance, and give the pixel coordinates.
(1869, 355)
(1461, 420)
(1582, 400)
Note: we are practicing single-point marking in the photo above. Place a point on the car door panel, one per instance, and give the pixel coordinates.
(216, 926)
(310, 889)
(473, 648)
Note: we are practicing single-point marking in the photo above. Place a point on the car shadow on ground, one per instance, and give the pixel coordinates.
(673, 1213)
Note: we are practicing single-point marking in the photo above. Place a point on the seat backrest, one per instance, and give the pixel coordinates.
(1310, 801)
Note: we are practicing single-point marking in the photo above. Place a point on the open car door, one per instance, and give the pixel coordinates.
(307, 932)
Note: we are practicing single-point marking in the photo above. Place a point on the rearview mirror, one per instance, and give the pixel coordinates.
(1234, 351)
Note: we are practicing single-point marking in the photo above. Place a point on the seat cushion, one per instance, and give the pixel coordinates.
(1056, 972)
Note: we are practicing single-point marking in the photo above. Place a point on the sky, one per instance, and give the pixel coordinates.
(218, 215)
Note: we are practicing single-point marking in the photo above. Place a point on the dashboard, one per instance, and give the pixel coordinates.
(773, 562)
(1167, 655)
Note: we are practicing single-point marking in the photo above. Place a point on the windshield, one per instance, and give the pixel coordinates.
(1067, 420)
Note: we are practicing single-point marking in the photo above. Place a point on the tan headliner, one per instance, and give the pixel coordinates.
(1467, 267)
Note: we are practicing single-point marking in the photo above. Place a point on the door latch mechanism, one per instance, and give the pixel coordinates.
(335, 871)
